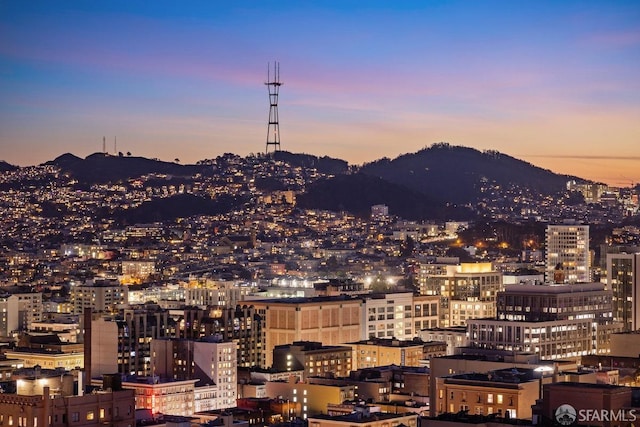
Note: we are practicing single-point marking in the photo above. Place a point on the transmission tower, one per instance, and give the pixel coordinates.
(273, 128)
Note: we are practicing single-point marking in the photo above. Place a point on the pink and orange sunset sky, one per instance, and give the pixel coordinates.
(553, 83)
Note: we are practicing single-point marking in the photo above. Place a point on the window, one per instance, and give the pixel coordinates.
(499, 399)
(490, 398)
(75, 416)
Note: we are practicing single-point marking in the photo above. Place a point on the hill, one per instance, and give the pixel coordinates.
(99, 167)
(178, 206)
(7, 167)
(324, 164)
(455, 174)
(358, 192)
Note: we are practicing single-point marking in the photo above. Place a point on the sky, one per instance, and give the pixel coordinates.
(555, 83)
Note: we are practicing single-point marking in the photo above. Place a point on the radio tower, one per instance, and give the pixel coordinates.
(273, 128)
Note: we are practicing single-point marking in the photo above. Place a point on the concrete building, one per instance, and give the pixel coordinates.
(137, 270)
(19, 309)
(313, 398)
(122, 343)
(567, 253)
(48, 359)
(507, 392)
(623, 278)
(159, 396)
(380, 352)
(465, 283)
(554, 321)
(398, 315)
(209, 362)
(101, 296)
(313, 359)
(114, 408)
(626, 344)
(454, 337)
(364, 417)
(588, 401)
(330, 320)
(487, 361)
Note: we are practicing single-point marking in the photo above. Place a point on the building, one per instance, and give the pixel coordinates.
(313, 359)
(330, 320)
(101, 296)
(454, 337)
(66, 327)
(553, 321)
(380, 352)
(137, 270)
(122, 343)
(626, 344)
(567, 253)
(208, 361)
(473, 286)
(48, 359)
(207, 293)
(507, 392)
(398, 315)
(160, 396)
(19, 309)
(114, 408)
(533, 303)
(488, 361)
(313, 398)
(379, 211)
(623, 278)
(241, 324)
(363, 416)
(586, 400)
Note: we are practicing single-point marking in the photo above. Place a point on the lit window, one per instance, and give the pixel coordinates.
(499, 399)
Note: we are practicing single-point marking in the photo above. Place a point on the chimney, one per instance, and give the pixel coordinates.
(87, 346)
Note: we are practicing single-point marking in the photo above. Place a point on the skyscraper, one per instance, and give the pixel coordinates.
(623, 278)
(567, 253)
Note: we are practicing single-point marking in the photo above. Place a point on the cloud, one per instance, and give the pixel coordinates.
(583, 157)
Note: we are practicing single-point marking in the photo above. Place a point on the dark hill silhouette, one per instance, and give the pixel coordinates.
(7, 167)
(455, 174)
(178, 206)
(100, 167)
(324, 164)
(358, 192)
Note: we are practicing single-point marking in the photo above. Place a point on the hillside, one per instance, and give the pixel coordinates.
(99, 167)
(358, 192)
(455, 174)
(178, 206)
(324, 164)
(7, 167)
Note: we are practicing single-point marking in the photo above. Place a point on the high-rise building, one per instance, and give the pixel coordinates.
(567, 253)
(623, 278)
(554, 321)
(206, 360)
(104, 296)
(313, 358)
(400, 315)
(329, 320)
(466, 290)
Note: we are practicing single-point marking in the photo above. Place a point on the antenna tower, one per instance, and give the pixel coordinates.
(273, 128)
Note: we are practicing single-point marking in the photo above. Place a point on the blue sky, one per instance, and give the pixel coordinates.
(553, 83)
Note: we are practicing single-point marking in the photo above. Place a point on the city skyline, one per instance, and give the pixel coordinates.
(552, 84)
